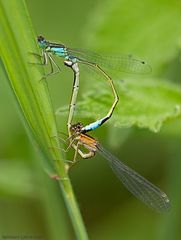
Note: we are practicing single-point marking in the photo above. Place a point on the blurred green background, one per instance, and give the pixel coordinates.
(30, 203)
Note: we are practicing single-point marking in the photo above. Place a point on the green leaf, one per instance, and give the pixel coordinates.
(146, 104)
(24, 78)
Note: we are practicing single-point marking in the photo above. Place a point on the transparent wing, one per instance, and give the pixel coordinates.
(136, 184)
(125, 63)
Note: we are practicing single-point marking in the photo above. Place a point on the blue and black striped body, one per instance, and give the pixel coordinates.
(94, 125)
(57, 49)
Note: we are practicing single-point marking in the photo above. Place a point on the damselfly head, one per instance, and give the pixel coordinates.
(40, 39)
(76, 128)
(42, 42)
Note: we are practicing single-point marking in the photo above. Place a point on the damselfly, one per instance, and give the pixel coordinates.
(140, 187)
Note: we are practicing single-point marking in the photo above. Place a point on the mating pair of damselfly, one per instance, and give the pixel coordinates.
(136, 184)
(126, 63)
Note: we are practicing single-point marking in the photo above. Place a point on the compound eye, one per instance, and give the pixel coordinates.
(79, 126)
(40, 38)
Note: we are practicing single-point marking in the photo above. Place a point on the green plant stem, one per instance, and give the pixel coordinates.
(73, 210)
(16, 42)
